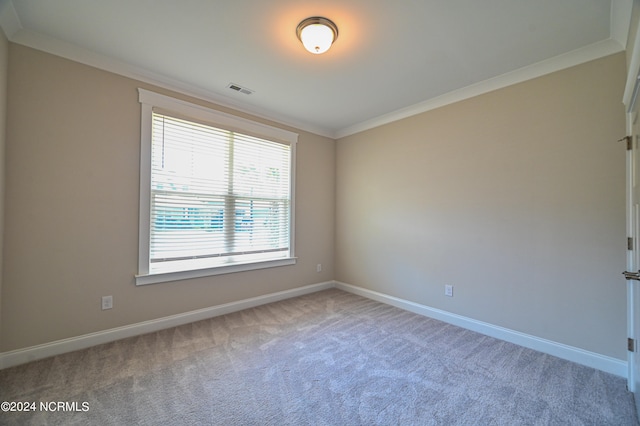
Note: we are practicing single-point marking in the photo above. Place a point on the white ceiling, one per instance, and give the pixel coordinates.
(392, 58)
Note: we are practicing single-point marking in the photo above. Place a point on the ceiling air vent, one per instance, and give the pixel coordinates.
(240, 89)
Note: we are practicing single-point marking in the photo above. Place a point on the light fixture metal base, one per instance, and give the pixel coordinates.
(317, 20)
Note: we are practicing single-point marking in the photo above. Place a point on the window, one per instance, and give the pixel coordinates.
(216, 192)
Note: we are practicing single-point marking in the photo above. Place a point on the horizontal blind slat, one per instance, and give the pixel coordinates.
(216, 193)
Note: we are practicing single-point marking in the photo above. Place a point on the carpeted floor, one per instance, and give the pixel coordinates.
(328, 358)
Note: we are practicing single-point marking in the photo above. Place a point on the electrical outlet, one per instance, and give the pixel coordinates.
(448, 290)
(107, 302)
(319, 267)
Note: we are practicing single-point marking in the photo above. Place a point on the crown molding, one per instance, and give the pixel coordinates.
(15, 33)
(9, 20)
(632, 86)
(620, 22)
(557, 63)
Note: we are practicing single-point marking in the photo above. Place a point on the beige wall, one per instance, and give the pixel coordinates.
(515, 197)
(72, 209)
(4, 66)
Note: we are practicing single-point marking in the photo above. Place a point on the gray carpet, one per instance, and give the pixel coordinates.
(329, 358)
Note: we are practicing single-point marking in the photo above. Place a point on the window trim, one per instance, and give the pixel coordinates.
(150, 100)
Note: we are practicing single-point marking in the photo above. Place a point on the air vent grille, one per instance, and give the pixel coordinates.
(240, 89)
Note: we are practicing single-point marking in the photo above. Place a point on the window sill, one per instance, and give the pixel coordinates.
(154, 278)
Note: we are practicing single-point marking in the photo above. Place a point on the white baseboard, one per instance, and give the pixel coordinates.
(570, 353)
(21, 356)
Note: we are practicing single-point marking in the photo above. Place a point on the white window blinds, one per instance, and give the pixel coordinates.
(217, 197)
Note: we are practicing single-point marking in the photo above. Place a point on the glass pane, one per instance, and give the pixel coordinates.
(216, 193)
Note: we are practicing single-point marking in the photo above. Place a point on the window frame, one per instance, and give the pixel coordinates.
(149, 101)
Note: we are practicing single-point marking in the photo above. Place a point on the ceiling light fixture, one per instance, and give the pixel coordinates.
(317, 34)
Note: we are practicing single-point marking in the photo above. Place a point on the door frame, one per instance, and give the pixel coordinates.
(630, 100)
(633, 308)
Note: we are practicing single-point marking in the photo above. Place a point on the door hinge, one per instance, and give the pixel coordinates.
(631, 344)
(629, 141)
(629, 243)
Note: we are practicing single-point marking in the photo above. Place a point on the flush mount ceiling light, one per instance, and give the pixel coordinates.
(317, 34)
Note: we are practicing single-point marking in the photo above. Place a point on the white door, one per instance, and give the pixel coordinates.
(631, 101)
(633, 257)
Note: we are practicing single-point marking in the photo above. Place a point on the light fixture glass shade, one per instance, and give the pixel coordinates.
(317, 34)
